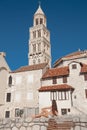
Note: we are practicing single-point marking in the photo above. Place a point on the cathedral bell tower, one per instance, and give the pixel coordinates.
(39, 42)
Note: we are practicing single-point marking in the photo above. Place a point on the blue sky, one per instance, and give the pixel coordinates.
(66, 20)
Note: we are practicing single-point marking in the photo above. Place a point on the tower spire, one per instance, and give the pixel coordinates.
(39, 42)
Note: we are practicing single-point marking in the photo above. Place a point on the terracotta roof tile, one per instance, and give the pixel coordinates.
(30, 67)
(56, 87)
(77, 53)
(73, 55)
(55, 72)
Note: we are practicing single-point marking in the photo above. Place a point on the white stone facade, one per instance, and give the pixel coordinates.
(74, 101)
(25, 91)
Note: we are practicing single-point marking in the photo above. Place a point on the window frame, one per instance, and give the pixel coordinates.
(34, 48)
(64, 79)
(41, 20)
(7, 114)
(36, 21)
(8, 97)
(63, 95)
(10, 81)
(63, 111)
(39, 33)
(54, 80)
(39, 47)
(34, 34)
(74, 66)
(53, 95)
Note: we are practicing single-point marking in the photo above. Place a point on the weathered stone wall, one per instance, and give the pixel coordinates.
(54, 123)
(24, 124)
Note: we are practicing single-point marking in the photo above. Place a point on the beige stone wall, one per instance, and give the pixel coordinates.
(54, 123)
(4, 70)
(24, 91)
(76, 81)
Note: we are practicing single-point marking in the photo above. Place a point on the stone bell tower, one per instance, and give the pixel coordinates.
(39, 42)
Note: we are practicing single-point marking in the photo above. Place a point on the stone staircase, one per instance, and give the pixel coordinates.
(65, 125)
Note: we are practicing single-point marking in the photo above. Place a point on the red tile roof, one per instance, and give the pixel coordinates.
(55, 72)
(77, 53)
(56, 87)
(30, 67)
(73, 55)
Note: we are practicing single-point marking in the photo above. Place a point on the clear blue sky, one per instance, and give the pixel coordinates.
(66, 20)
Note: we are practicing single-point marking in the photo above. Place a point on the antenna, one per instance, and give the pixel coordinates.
(39, 3)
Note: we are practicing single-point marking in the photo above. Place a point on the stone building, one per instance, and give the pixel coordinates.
(25, 91)
(67, 84)
(4, 71)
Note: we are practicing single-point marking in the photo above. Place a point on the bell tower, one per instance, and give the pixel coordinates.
(39, 42)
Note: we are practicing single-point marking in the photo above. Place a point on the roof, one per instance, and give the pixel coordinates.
(56, 87)
(55, 72)
(39, 11)
(30, 67)
(74, 55)
(62, 71)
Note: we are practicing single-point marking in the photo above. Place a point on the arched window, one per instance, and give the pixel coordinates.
(34, 34)
(36, 21)
(10, 81)
(34, 48)
(34, 62)
(39, 61)
(39, 47)
(39, 33)
(41, 21)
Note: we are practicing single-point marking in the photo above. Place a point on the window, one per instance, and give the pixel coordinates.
(54, 80)
(34, 62)
(63, 111)
(41, 21)
(63, 95)
(8, 98)
(53, 95)
(45, 59)
(39, 33)
(39, 61)
(19, 112)
(34, 47)
(74, 66)
(39, 47)
(7, 114)
(34, 34)
(68, 109)
(85, 77)
(10, 81)
(36, 21)
(86, 93)
(64, 79)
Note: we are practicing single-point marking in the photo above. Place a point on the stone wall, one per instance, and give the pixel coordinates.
(54, 123)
